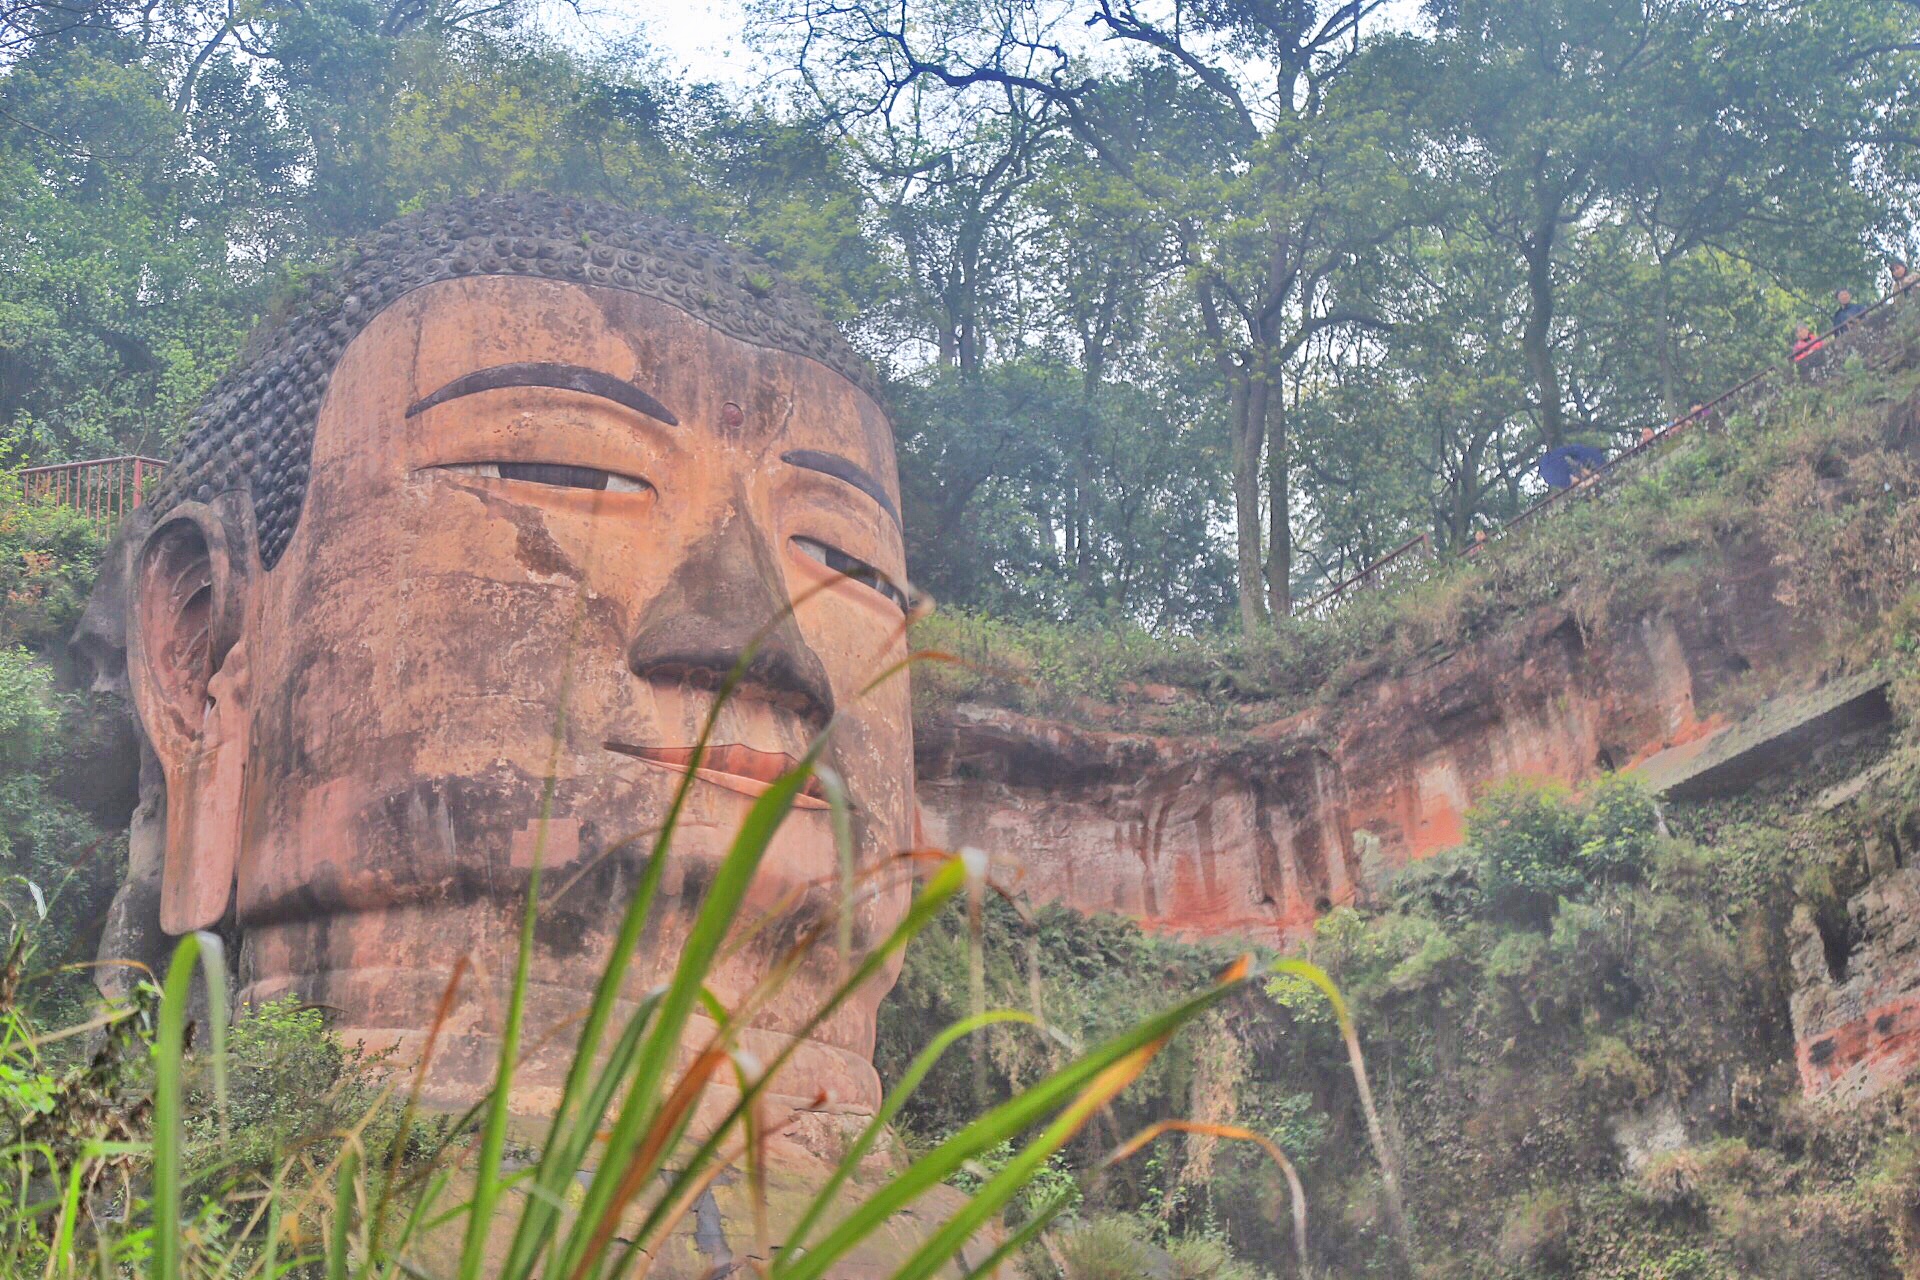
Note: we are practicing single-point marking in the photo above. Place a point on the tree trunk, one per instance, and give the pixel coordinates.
(1536, 339)
(1466, 495)
(1279, 508)
(1084, 480)
(1246, 498)
(1669, 392)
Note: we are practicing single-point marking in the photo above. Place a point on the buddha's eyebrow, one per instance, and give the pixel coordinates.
(542, 373)
(832, 464)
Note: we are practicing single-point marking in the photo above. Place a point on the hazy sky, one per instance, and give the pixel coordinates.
(704, 36)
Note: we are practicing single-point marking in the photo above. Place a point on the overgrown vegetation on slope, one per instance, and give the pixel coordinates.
(1824, 476)
(1579, 1027)
(58, 863)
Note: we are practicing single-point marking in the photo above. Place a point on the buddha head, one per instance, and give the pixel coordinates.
(445, 580)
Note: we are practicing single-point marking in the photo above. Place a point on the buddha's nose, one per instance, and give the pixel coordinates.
(727, 599)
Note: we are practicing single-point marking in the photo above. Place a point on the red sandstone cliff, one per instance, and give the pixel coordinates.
(1255, 835)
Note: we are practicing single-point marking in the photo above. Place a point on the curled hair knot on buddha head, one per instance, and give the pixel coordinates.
(254, 431)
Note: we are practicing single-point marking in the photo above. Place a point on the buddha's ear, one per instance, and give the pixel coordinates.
(187, 669)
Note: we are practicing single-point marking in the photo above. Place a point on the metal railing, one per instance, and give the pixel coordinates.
(104, 489)
(1395, 565)
(1409, 555)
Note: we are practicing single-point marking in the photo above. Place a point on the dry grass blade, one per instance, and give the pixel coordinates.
(1376, 1133)
(667, 1126)
(441, 1013)
(1295, 1191)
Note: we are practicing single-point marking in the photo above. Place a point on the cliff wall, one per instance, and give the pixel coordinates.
(1256, 834)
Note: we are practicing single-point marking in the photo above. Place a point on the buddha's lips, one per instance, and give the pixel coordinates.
(730, 765)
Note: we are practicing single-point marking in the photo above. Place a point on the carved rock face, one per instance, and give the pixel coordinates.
(543, 520)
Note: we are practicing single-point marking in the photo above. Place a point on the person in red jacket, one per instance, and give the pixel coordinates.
(1805, 342)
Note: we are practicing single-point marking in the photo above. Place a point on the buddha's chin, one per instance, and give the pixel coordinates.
(826, 1081)
(391, 1011)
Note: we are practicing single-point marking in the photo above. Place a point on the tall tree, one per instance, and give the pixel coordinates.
(1537, 97)
(1231, 122)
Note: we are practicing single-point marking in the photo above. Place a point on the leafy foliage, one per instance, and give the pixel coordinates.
(58, 867)
(1166, 346)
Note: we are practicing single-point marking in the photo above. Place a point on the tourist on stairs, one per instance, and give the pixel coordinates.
(1848, 312)
(1805, 342)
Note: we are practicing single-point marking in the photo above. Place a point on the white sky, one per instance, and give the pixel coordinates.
(705, 38)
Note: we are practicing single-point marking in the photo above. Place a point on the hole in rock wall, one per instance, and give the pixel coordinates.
(1836, 941)
(1905, 836)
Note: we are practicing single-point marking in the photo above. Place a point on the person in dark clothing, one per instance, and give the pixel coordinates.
(1849, 310)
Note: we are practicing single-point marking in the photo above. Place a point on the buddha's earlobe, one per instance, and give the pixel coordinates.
(188, 668)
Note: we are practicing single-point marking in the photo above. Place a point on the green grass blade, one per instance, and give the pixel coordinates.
(1376, 1133)
(939, 891)
(718, 911)
(422, 1207)
(69, 1211)
(575, 1119)
(908, 1085)
(1019, 1239)
(204, 951)
(1000, 1189)
(493, 1138)
(540, 1222)
(589, 1086)
(339, 1230)
(998, 1125)
(840, 809)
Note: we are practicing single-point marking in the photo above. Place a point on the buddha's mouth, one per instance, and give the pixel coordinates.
(738, 768)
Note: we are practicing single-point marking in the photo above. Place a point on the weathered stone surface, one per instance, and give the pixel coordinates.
(1770, 738)
(445, 583)
(1856, 1000)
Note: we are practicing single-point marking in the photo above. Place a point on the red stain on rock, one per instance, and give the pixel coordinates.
(1866, 1054)
(1856, 999)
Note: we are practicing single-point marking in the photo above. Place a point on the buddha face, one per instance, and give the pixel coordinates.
(543, 521)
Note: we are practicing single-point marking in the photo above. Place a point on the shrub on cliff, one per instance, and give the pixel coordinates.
(1122, 1247)
(57, 869)
(292, 1088)
(1528, 842)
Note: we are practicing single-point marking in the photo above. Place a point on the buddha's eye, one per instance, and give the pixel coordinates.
(847, 566)
(552, 473)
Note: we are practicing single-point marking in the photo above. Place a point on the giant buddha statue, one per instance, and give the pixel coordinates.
(492, 508)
